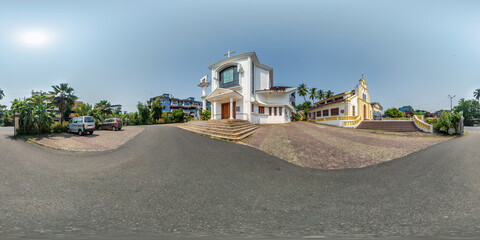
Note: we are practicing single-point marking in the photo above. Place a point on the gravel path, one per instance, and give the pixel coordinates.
(326, 147)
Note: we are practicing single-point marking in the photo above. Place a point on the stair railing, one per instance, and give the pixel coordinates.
(422, 125)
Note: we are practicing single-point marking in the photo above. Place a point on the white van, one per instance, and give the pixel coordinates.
(81, 125)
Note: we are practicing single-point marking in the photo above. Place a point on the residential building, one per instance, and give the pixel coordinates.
(346, 109)
(242, 88)
(189, 105)
(377, 110)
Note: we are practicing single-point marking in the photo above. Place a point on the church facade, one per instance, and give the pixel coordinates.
(346, 109)
(242, 88)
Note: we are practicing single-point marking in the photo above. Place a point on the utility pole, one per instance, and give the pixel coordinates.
(451, 97)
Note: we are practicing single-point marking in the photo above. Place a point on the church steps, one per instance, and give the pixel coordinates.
(394, 126)
(226, 129)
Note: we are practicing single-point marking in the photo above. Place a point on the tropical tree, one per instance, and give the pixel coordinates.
(320, 94)
(43, 116)
(470, 110)
(63, 98)
(104, 107)
(313, 93)
(2, 95)
(329, 94)
(476, 94)
(156, 109)
(83, 110)
(302, 91)
(143, 113)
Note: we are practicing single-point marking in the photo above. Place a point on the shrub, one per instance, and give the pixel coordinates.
(58, 127)
(206, 114)
(178, 115)
(446, 121)
(393, 113)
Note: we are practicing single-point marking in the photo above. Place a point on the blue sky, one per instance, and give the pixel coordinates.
(411, 52)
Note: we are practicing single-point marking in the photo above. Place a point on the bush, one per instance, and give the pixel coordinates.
(178, 115)
(431, 121)
(393, 113)
(206, 114)
(58, 127)
(446, 121)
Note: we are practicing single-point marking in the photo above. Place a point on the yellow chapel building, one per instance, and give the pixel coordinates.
(346, 109)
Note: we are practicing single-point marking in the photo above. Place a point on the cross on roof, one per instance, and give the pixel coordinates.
(228, 53)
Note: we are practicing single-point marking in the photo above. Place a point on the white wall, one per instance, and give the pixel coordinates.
(262, 79)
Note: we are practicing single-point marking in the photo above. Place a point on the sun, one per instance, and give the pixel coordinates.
(35, 38)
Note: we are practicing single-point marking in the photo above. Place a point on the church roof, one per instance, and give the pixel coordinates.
(238, 57)
(277, 89)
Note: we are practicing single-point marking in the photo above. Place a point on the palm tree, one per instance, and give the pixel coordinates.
(83, 110)
(329, 94)
(63, 98)
(104, 107)
(313, 94)
(302, 91)
(320, 94)
(476, 94)
(2, 95)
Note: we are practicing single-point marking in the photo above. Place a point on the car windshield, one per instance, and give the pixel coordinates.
(89, 119)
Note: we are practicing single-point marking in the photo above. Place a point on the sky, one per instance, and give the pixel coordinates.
(411, 52)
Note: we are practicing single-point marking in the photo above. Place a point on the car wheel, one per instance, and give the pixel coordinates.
(80, 133)
(114, 129)
(99, 128)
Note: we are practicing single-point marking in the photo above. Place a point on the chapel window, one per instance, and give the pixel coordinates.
(261, 110)
(334, 111)
(229, 77)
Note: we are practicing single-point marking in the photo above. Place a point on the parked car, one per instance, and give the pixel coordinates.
(112, 124)
(81, 125)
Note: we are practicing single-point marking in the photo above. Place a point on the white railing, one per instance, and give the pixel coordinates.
(422, 125)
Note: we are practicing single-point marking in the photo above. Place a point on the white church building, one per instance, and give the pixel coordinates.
(242, 88)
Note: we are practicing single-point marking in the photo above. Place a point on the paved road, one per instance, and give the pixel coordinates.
(169, 182)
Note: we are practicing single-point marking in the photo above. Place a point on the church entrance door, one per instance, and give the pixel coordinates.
(226, 110)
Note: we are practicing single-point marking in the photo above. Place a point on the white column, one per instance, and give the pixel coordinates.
(231, 108)
(214, 109)
(204, 94)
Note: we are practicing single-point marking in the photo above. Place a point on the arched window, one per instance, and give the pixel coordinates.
(229, 77)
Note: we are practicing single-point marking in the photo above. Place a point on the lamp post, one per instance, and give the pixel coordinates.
(451, 107)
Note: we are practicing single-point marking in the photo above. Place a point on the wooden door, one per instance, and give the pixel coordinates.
(226, 110)
(353, 112)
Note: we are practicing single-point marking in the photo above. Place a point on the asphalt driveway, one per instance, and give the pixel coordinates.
(168, 181)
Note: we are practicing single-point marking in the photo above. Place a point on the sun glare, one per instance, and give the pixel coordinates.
(34, 38)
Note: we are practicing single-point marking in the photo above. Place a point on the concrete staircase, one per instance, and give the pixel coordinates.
(226, 129)
(394, 126)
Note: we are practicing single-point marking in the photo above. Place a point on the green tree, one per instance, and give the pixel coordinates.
(320, 94)
(157, 108)
(302, 91)
(143, 113)
(43, 116)
(63, 98)
(206, 114)
(393, 113)
(305, 106)
(329, 94)
(476, 94)
(104, 107)
(178, 115)
(470, 110)
(84, 110)
(313, 94)
(2, 95)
